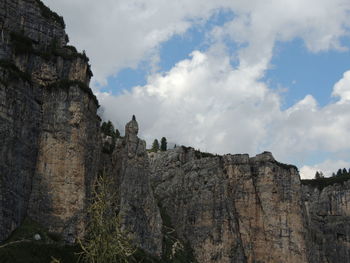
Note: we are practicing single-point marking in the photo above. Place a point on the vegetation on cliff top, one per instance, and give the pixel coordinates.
(107, 128)
(321, 182)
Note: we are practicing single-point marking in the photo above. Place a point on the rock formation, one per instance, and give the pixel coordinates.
(232, 208)
(180, 205)
(328, 215)
(49, 130)
(138, 209)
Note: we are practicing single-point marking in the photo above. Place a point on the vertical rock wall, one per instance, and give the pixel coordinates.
(49, 129)
(328, 214)
(19, 128)
(67, 161)
(232, 208)
(138, 208)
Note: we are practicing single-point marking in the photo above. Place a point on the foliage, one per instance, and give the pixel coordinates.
(319, 175)
(105, 241)
(21, 43)
(107, 128)
(155, 146)
(197, 153)
(47, 13)
(37, 252)
(163, 144)
(14, 71)
(66, 84)
(342, 176)
(22, 248)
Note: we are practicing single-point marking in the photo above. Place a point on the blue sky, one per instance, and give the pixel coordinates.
(224, 76)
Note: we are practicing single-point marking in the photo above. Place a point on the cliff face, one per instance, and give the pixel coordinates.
(67, 161)
(175, 204)
(328, 214)
(232, 208)
(138, 208)
(49, 130)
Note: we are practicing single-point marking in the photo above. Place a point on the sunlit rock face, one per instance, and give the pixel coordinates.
(232, 208)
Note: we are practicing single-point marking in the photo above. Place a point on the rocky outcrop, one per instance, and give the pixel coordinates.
(232, 208)
(138, 208)
(49, 130)
(328, 214)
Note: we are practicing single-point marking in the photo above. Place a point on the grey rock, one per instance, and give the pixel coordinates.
(232, 208)
(328, 214)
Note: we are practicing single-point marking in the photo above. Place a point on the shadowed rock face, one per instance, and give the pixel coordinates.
(328, 214)
(49, 130)
(232, 208)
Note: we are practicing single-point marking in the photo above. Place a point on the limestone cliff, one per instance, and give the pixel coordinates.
(232, 208)
(328, 214)
(180, 205)
(49, 130)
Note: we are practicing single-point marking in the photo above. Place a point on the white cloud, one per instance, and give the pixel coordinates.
(327, 168)
(119, 34)
(206, 103)
(342, 88)
(203, 101)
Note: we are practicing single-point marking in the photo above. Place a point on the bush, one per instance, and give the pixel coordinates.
(321, 183)
(105, 241)
(14, 71)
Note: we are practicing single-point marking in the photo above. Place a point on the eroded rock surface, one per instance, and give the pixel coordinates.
(139, 212)
(328, 213)
(49, 130)
(232, 208)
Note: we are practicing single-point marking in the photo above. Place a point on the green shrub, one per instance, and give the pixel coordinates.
(321, 183)
(21, 247)
(21, 44)
(14, 72)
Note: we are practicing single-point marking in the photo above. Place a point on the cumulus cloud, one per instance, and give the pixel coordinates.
(119, 34)
(204, 101)
(342, 88)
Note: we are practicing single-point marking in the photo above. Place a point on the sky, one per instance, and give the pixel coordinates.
(224, 76)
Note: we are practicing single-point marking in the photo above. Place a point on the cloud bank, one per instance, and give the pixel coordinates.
(204, 101)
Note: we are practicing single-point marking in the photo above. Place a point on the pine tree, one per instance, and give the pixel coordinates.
(155, 146)
(117, 133)
(317, 175)
(345, 171)
(339, 173)
(163, 144)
